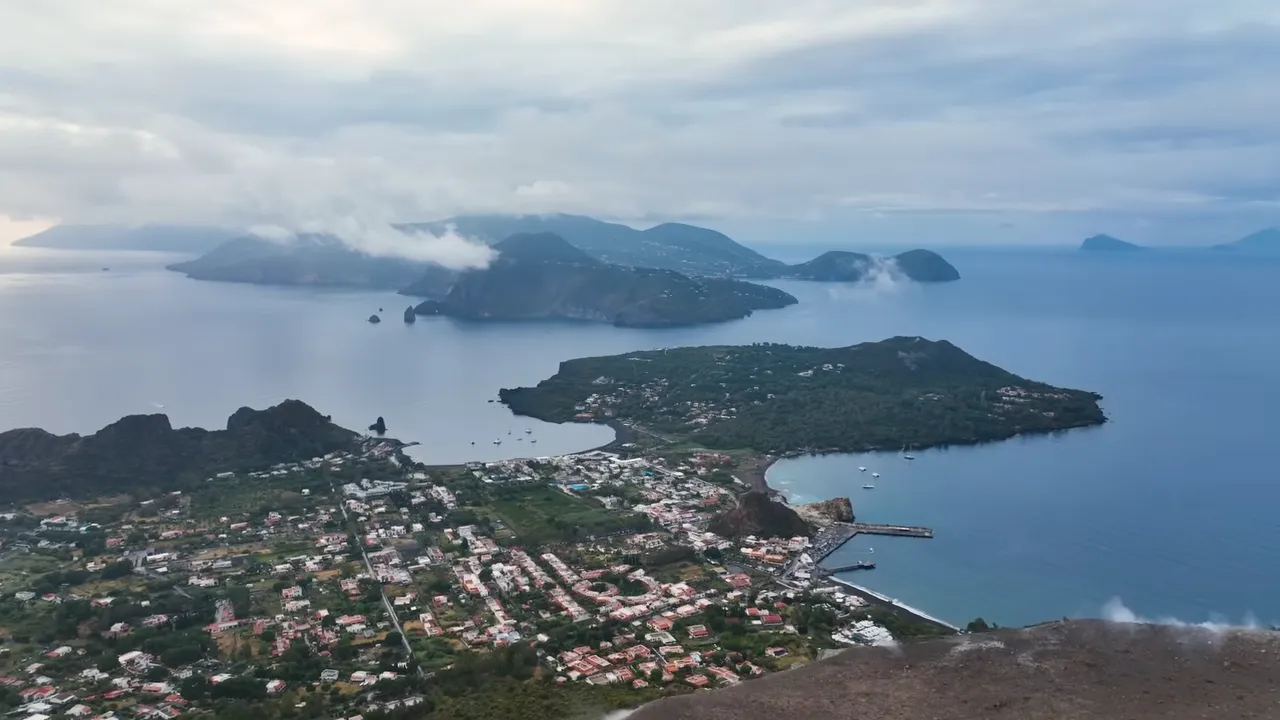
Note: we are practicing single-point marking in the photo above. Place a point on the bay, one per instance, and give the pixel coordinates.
(1169, 507)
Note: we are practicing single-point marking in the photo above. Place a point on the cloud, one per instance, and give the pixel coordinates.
(953, 120)
(1116, 611)
(448, 249)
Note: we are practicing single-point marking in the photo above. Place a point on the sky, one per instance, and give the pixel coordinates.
(797, 121)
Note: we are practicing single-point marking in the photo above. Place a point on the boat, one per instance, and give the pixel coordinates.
(868, 487)
(528, 431)
(875, 475)
(497, 442)
(534, 440)
(905, 455)
(861, 469)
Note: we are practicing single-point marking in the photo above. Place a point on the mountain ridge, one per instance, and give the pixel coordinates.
(543, 276)
(145, 452)
(694, 251)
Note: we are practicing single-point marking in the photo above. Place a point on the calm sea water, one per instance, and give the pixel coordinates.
(1171, 507)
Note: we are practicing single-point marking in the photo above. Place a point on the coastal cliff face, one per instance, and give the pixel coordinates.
(145, 452)
(544, 277)
(1081, 670)
(833, 510)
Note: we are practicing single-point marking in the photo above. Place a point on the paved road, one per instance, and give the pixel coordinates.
(404, 640)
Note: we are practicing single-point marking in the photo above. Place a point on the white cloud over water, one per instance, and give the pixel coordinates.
(921, 121)
(1116, 611)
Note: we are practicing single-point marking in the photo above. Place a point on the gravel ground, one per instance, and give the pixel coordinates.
(1057, 671)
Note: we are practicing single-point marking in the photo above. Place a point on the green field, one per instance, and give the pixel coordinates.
(545, 514)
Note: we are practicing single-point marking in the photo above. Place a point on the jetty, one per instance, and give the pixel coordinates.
(830, 538)
(859, 565)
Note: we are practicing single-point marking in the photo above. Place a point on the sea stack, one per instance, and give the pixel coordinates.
(374, 319)
(410, 316)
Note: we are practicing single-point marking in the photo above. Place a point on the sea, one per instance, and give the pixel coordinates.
(1170, 511)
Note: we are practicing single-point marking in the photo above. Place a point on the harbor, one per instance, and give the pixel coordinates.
(831, 538)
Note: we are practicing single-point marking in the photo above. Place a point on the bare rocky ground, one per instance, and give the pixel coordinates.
(1073, 670)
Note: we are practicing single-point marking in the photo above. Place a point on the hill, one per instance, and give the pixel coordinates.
(688, 249)
(841, 266)
(1076, 670)
(145, 452)
(1262, 242)
(312, 260)
(543, 276)
(1106, 243)
(757, 514)
(159, 238)
(786, 399)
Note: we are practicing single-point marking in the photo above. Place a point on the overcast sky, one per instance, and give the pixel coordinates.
(938, 121)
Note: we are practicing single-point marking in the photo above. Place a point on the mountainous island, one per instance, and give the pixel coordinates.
(542, 276)
(309, 260)
(1080, 669)
(841, 266)
(321, 260)
(157, 237)
(1263, 242)
(1107, 243)
(785, 399)
(145, 452)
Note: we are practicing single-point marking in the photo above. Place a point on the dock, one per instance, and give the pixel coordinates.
(859, 565)
(898, 530)
(829, 539)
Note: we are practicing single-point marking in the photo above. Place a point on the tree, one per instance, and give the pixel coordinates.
(117, 569)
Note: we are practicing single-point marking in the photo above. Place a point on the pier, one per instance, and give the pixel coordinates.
(898, 530)
(859, 565)
(829, 539)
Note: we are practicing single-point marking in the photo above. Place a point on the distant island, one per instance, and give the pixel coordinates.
(841, 266)
(321, 260)
(542, 276)
(1107, 243)
(780, 399)
(1263, 242)
(146, 453)
(158, 237)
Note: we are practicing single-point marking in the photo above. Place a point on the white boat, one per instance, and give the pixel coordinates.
(528, 432)
(868, 487)
(497, 442)
(908, 457)
(876, 475)
(861, 469)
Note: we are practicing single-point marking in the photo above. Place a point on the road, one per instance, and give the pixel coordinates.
(395, 621)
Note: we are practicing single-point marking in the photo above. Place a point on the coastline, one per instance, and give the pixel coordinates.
(868, 594)
(760, 482)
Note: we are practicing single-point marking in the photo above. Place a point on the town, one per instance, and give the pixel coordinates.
(361, 584)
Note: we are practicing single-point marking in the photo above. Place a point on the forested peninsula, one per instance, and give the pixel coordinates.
(780, 399)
